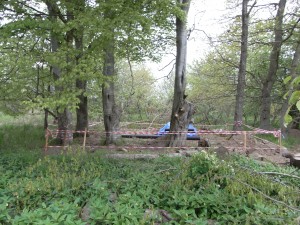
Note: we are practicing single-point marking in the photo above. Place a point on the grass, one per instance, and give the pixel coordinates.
(288, 142)
(21, 137)
(36, 119)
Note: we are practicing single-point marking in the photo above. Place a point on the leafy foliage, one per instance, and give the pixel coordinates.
(141, 29)
(55, 190)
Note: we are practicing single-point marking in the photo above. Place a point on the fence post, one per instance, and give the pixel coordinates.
(47, 137)
(245, 141)
(84, 138)
(280, 144)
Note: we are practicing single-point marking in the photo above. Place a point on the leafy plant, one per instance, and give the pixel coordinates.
(197, 190)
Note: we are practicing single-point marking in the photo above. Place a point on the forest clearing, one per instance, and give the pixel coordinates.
(90, 134)
(83, 187)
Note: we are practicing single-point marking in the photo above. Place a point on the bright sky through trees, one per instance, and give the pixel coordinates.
(203, 21)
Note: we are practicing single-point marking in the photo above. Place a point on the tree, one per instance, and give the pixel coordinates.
(136, 92)
(110, 109)
(238, 114)
(65, 134)
(292, 97)
(131, 31)
(211, 88)
(78, 32)
(82, 119)
(273, 67)
(182, 110)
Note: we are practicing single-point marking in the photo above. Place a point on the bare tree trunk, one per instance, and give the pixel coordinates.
(239, 104)
(181, 110)
(65, 134)
(45, 119)
(82, 110)
(273, 67)
(293, 74)
(110, 109)
(81, 84)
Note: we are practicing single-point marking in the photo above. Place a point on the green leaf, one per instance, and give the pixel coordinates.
(287, 79)
(285, 96)
(294, 97)
(296, 81)
(298, 105)
(287, 119)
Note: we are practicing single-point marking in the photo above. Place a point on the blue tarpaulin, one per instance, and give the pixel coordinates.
(192, 131)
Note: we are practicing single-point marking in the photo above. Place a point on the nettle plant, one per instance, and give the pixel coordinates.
(202, 163)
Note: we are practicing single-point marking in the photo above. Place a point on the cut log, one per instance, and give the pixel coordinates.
(294, 158)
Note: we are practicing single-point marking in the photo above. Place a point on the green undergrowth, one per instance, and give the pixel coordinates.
(29, 118)
(290, 142)
(71, 188)
(21, 137)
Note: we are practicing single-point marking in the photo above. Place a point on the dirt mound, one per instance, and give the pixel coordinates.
(251, 146)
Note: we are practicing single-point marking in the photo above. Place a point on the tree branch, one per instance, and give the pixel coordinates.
(266, 196)
(281, 174)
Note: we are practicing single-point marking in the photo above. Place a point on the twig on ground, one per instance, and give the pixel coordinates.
(267, 196)
(281, 174)
(165, 170)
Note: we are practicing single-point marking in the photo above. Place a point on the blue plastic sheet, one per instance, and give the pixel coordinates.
(192, 131)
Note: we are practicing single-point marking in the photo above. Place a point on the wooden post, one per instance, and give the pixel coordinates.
(46, 144)
(84, 138)
(280, 143)
(65, 137)
(245, 141)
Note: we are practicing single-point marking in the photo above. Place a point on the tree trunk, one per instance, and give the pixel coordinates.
(293, 74)
(82, 110)
(182, 110)
(239, 104)
(64, 135)
(110, 109)
(81, 84)
(273, 67)
(45, 119)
